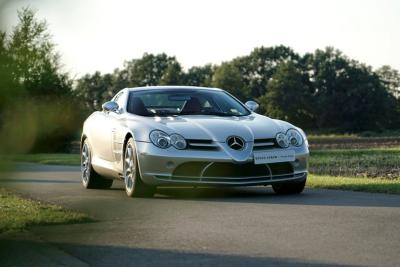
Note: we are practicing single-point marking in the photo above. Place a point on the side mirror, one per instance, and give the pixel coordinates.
(110, 106)
(252, 105)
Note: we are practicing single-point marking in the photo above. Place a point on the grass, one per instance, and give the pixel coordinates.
(331, 134)
(375, 162)
(53, 159)
(352, 142)
(354, 184)
(18, 214)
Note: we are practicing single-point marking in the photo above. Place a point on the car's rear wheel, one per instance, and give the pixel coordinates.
(90, 178)
(289, 188)
(134, 186)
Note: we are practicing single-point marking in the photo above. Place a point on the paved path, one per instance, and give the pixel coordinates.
(216, 227)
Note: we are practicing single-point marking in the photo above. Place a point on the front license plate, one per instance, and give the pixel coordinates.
(274, 156)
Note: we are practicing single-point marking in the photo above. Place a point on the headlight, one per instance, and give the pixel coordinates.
(294, 137)
(178, 141)
(163, 140)
(160, 139)
(282, 140)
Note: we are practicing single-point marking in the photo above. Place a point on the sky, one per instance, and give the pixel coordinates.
(100, 35)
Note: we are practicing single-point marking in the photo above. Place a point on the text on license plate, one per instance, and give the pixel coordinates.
(274, 156)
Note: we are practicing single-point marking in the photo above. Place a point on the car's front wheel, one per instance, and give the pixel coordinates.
(90, 178)
(134, 186)
(289, 188)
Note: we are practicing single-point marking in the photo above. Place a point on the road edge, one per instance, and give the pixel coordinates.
(36, 252)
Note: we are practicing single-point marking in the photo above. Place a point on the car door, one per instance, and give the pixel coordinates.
(118, 127)
(103, 133)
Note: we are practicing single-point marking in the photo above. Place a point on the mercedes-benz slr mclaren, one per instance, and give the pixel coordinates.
(189, 136)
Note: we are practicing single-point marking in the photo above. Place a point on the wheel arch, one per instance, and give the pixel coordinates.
(129, 135)
(83, 138)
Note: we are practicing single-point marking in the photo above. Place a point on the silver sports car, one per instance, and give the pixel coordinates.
(174, 135)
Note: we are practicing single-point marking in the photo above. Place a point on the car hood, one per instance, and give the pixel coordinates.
(216, 128)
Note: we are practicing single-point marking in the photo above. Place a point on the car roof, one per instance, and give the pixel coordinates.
(179, 87)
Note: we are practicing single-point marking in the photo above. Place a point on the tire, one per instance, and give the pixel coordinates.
(289, 188)
(90, 178)
(134, 186)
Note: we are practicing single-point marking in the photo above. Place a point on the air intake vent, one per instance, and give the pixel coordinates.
(263, 144)
(201, 144)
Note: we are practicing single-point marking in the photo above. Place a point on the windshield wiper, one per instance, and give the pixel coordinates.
(215, 113)
(164, 113)
(219, 113)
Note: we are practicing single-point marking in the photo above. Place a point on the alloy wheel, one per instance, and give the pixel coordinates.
(130, 169)
(85, 163)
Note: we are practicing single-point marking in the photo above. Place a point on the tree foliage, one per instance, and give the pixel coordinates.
(390, 79)
(199, 76)
(320, 90)
(228, 76)
(37, 93)
(289, 96)
(153, 70)
(36, 65)
(344, 90)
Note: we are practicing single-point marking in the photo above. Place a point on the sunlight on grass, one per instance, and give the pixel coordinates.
(354, 184)
(376, 162)
(17, 214)
(52, 159)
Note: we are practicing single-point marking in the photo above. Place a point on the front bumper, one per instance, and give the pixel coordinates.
(215, 168)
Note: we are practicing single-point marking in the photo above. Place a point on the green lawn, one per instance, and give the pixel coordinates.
(372, 185)
(53, 159)
(375, 162)
(17, 214)
(329, 135)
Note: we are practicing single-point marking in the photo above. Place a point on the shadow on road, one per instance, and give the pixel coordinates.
(265, 195)
(126, 256)
(40, 181)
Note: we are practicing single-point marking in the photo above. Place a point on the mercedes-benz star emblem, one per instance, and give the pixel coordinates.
(235, 142)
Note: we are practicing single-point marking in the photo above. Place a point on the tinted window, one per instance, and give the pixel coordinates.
(168, 102)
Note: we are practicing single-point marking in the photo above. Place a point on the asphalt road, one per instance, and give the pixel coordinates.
(216, 227)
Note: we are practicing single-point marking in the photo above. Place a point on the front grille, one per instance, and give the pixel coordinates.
(215, 171)
(201, 144)
(263, 144)
(281, 168)
(226, 169)
(190, 168)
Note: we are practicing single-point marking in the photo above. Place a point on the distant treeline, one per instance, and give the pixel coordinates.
(319, 91)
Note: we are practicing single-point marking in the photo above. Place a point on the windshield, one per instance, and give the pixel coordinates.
(169, 102)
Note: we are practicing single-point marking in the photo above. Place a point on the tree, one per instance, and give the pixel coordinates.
(391, 79)
(7, 84)
(289, 96)
(199, 75)
(38, 91)
(152, 70)
(37, 66)
(228, 77)
(349, 96)
(254, 71)
(261, 64)
(172, 74)
(93, 89)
